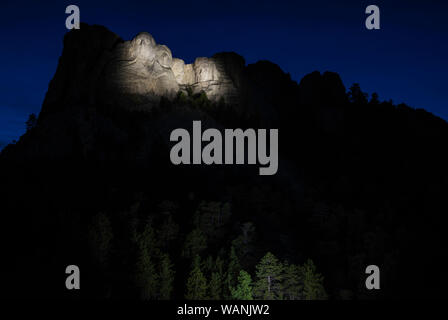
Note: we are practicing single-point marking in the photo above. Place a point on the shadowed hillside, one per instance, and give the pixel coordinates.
(360, 181)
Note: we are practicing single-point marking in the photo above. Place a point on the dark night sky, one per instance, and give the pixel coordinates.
(404, 61)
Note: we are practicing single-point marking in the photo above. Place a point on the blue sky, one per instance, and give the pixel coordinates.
(405, 61)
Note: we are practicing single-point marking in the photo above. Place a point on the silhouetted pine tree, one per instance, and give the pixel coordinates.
(166, 277)
(269, 273)
(168, 231)
(374, 99)
(356, 95)
(215, 286)
(313, 288)
(195, 243)
(147, 277)
(196, 282)
(292, 282)
(244, 244)
(233, 270)
(243, 290)
(31, 122)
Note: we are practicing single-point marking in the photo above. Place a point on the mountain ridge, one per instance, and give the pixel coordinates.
(358, 178)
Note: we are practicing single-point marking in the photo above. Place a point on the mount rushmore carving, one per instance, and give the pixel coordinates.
(98, 65)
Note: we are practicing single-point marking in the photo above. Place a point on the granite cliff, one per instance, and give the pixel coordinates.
(359, 181)
(97, 66)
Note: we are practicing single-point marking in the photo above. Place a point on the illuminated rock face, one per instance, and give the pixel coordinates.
(141, 71)
(213, 76)
(98, 68)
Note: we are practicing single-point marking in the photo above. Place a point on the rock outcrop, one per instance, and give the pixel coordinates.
(139, 69)
(97, 66)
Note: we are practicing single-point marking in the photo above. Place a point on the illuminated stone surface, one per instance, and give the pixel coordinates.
(140, 70)
(97, 66)
(143, 71)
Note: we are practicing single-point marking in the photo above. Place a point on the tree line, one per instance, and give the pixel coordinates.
(218, 275)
